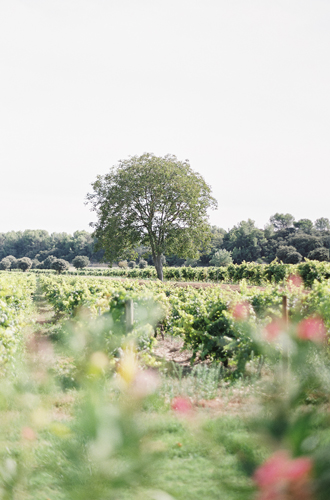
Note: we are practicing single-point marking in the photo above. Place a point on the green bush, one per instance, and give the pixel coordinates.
(5, 264)
(13, 261)
(47, 263)
(24, 263)
(320, 254)
(60, 265)
(221, 258)
(190, 262)
(313, 270)
(80, 261)
(288, 254)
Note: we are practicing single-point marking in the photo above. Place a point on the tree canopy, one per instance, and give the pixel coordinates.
(155, 201)
(281, 221)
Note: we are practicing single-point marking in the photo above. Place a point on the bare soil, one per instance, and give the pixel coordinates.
(171, 349)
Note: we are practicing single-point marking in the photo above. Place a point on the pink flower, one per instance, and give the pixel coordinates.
(282, 477)
(144, 383)
(295, 281)
(28, 433)
(181, 405)
(241, 311)
(273, 330)
(311, 329)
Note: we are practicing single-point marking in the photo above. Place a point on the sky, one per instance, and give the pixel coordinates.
(240, 88)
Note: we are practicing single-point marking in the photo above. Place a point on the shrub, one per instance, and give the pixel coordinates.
(288, 254)
(24, 263)
(13, 261)
(142, 264)
(190, 262)
(60, 265)
(321, 254)
(293, 258)
(80, 261)
(221, 258)
(47, 263)
(131, 264)
(35, 264)
(313, 270)
(5, 264)
(122, 263)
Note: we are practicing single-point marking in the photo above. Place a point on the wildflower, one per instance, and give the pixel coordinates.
(241, 311)
(28, 433)
(98, 363)
(144, 383)
(272, 330)
(295, 281)
(311, 329)
(127, 366)
(181, 405)
(282, 477)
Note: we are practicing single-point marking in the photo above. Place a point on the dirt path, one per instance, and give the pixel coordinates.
(43, 361)
(171, 349)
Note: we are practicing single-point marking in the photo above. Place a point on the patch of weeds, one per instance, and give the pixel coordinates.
(65, 372)
(155, 403)
(200, 382)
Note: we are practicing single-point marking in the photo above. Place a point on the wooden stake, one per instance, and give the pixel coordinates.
(129, 308)
(285, 313)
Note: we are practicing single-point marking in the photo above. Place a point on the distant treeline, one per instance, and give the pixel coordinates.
(283, 237)
(39, 244)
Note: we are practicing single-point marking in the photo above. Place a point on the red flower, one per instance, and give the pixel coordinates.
(311, 329)
(282, 477)
(181, 405)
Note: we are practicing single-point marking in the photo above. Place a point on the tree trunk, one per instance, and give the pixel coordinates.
(159, 266)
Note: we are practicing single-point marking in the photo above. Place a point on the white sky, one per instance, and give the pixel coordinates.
(239, 87)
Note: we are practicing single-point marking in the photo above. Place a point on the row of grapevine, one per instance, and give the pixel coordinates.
(205, 318)
(254, 274)
(16, 295)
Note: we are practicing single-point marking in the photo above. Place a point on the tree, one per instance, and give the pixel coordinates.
(142, 264)
(35, 263)
(304, 243)
(155, 201)
(288, 255)
(321, 254)
(322, 224)
(80, 261)
(245, 241)
(60, 265)
(5, 264)
(13, 262)
(304, 225)
(190, 262)
(24, 263)
(281, 221)
(48, 262)
(221, 258)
